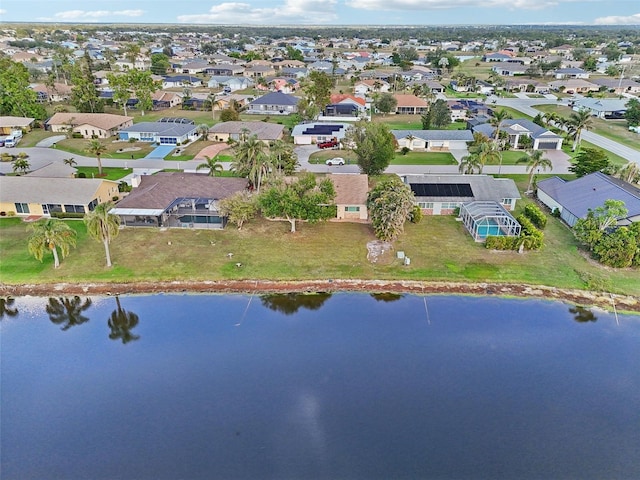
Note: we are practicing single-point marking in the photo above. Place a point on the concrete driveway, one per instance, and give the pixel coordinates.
(49, 141)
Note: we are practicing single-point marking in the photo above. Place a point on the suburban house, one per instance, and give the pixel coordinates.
(89, 125)
(433, 140)
(574, 85)
(410, 104)
(516, 129)
(8, 124)
(363, 87)
(562, 73)
(265, 131)
(33, 195)
(166, 131)
(509, 69)
(230, 82)
(310, 133)
(59, 92)
(496, 57)
(618, 85)
(274, 103)
(608, 108)
(441, 194)
(573, 199)
(345, 106)
(227, 70)
(181, 81)
(162, 99)
(177, 200)
(351, 196)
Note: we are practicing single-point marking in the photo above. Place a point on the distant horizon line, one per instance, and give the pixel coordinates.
(4, 23)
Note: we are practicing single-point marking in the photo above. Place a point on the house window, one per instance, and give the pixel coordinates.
(86, 133)
(351, 209)
(428, 205)
(93, 205)
(74, 208)
(22, 207)
(449, 205)
(507, 201)
(54, 207)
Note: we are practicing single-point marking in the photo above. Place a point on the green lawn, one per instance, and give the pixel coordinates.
(110, 173)
(34, 136)
(424, 158)
(439, 248)
(117, 150)
(615, 130)
(323, 155)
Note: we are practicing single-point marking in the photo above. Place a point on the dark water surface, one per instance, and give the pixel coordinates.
(343, 386)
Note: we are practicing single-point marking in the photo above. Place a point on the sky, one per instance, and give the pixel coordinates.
(325, 12)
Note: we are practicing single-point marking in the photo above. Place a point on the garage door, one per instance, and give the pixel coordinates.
(547, 146)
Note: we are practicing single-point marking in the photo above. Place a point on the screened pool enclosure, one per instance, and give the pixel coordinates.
(484, 219)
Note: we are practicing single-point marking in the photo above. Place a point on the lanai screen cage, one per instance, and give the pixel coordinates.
(484, 219)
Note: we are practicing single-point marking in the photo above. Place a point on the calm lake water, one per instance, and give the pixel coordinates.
(343, 386)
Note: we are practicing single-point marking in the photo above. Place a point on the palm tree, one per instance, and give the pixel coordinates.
(535, 160)
(131, 52)
(121, 322)
(21, 165)
(212, 164)
(214, 103)
(499, 116)
(68, 311)
(51, 234)
(251, 160)
(203, 130)
(281, 151)
(6, 309)
(577, 122)
(410, 138)
(70, 161)
(97, 148)
(469, 164)
(487, 152)
(103, 226)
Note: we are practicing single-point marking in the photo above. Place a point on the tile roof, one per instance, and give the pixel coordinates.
(263, 130)
(104, 121)
(410, 101)
(28, 189)
(276, 98)
(427, 135)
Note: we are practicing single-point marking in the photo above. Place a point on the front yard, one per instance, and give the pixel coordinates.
(115, 149)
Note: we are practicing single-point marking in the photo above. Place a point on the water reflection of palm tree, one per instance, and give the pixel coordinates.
(582, 315)
(121, 322)
(387, 296)
(6, 309)
(290, 303)
(68, 311)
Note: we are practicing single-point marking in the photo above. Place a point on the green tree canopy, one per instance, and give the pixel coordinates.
(318, 89)
(589, 160)
(390, 203)
(16, 98)
(304, 199)
(385, 103)
(239, 208)
(437, 116)
(51, 234)
(373, 144)
(84, 93)
(633, 112)
(160, 63)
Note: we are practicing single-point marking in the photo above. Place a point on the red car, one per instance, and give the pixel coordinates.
(328, 144)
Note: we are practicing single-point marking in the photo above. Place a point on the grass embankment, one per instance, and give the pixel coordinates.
(439, 248)
(615, 130)
(109, 173)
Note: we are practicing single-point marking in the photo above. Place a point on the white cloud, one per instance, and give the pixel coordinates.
(619, 20)
(2, 11)
(291, 11)
(94, 15)
(421, 5)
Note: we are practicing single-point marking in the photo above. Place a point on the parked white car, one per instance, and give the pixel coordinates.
(335, 161)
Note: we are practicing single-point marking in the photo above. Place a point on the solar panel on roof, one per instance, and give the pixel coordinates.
(442, 189)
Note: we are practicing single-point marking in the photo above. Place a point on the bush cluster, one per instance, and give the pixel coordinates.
(537, 216)
(502, 243)
(529, 235)
(67, 215)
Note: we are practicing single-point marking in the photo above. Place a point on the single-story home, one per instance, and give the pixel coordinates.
(42, 196)
(274, 103)
(162, 99)
(574, 85)
(433, 140)
(8, 124)
(608, 108)
(351, 196)
(232, 83)
(516, 129)
(410, 104)
(442, 194)
(509, 69)
(180, 81)
(177, 200)
(167, 131)
(265, 131)
(562, 73)
(310, 133)
(573, 199)
(618, 85)
(89, 125)
(363, 87)
(59, 92)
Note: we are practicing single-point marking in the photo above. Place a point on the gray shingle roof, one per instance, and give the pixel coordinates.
(263, 130)
(590, 192)
(70, 191)
(484, 187)
(465, 135)
(276, 98)
(160, 190)
(161, 128)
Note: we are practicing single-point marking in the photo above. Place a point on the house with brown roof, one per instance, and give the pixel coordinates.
(163, 99)
(177, 200)
(351, 196)
(265, 131)
(59, 92)
(8, 124)
(89, 125)
(364, 87)
(410, 104)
